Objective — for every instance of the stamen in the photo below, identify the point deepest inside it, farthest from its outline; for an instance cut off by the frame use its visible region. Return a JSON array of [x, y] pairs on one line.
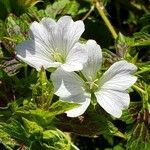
[[91, 86], [58, 57]]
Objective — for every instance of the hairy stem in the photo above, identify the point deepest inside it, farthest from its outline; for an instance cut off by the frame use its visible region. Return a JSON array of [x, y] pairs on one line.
[[88, 13], [137, 88], [99, 5]]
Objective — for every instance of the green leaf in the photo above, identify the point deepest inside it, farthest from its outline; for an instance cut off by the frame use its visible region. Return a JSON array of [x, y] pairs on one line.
[[40, 116], [32, 127], [60, 107], [125, 40], [56, 8], [45, 117], [139, 138], [6, 140], [118, 147], [145, 19], [114, 130], [20, 6], [42, 91], [72, 8], [95, 121], [63, 7], [15, 130], [10, 66], [7, 112], [129, 115], [139, 39], [17, 28], [55, 139], [142, 38]]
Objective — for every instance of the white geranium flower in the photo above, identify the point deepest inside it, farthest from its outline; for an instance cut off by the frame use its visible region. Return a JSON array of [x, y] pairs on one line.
[[54, 44], [109, 89]]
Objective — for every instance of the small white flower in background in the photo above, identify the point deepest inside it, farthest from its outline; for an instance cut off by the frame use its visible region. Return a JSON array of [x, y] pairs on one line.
[[54, 44], [109, 89]]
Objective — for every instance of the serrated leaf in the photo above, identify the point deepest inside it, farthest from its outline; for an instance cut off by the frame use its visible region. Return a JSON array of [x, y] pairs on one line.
[[32, 127], [114, 130], [7, 112], [92, 123], [15, 130], [60, 107], [129, 115], [72, 8], [42, 117], [42, 91], [6, 139], [139, 138], [55, 139], [139, 39], [10, 66], [56, 8], [142, 38], [17, 28]]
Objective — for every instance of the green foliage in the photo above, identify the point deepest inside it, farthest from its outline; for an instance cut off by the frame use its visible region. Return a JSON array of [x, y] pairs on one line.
[[32, 117], [139, 137], [42, 91], [129, 115], [14, 134], [17, 7]]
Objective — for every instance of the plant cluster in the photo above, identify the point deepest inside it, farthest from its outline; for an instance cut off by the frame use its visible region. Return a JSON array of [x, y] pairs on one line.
[[71, 68]]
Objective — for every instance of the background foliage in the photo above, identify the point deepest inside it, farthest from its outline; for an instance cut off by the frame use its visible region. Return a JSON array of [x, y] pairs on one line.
[[30, 115]]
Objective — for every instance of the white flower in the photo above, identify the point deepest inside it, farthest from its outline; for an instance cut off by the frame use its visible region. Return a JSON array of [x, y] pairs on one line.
[[109, 89], [54, 44]]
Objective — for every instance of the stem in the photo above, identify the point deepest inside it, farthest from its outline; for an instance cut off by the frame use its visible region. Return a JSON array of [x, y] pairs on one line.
[[144, 96], [25, 71], [139, 89], [88, 13], [101, 10], [142, 71]]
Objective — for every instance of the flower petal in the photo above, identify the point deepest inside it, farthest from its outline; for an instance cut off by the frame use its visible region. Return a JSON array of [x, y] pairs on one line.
[[93, 64], [68, 32], [35, 54], [79, 110], [76, 58], [51, 27], [39, 33], [66, 84], [113, 102], [48, 23], [118, 76]]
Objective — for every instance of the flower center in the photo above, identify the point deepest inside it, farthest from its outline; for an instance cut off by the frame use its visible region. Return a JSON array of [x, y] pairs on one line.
[[58, 57], [91, 86]]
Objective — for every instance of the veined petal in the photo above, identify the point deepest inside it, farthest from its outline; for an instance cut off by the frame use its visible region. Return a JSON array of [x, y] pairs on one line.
[[93, 64], [113, 102], [66, 84], [34, 54], [118, 76], [48, 23], [77, 56], [40, 34], [79, 110], [51, 27], [68, 32], [72, 66]]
